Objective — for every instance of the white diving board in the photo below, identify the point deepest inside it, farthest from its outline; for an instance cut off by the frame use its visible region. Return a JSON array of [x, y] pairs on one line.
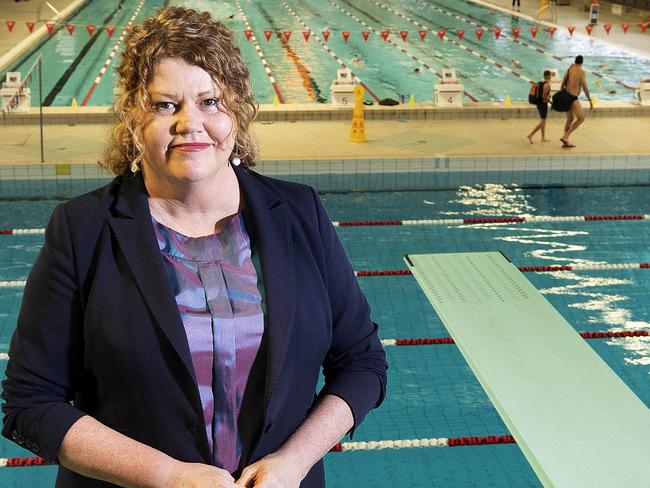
[[575, 420]]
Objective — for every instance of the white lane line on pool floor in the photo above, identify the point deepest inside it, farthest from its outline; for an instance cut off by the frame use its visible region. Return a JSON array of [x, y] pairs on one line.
[[526, 44], [456, 43], [108, 61], [403, 50], [267, 68], [328, 50]]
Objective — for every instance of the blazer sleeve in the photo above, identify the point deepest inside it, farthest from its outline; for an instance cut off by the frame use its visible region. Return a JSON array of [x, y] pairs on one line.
[[355, 365], [46, 349]]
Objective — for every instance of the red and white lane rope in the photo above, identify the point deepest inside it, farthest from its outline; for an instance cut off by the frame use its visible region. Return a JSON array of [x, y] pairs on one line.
[[328, 50], [525, 44], [267, 68], [463, 221], [109, 60], [455, 43], [431, 341], [526, 269], [402, 49], [492, 220], [343, 447], [406, 272]]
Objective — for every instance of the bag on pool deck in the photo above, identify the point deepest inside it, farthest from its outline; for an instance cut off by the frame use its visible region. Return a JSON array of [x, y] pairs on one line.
[[562, 101], [536, 93]]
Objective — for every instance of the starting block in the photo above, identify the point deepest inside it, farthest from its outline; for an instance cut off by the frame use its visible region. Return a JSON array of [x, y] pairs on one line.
[[575, 420]]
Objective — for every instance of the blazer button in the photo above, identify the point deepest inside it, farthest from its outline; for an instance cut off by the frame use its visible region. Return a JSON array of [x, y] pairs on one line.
[[269, 427]]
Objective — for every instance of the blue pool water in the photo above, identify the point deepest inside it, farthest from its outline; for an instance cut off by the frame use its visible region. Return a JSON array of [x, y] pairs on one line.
[[432, 392], [304, 71]]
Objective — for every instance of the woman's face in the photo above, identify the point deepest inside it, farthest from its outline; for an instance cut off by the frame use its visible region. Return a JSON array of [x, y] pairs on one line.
[[187, 137]]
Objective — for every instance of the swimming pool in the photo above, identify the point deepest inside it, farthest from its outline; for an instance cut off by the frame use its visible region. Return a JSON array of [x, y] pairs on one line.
[[432, 392], [489, 68]]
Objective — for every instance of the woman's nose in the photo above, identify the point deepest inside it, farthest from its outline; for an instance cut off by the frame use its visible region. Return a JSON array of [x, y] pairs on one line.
[[189, 120]]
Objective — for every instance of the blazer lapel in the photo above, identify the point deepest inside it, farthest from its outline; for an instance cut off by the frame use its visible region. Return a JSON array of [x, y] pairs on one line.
[[268, 218], [131, 224]]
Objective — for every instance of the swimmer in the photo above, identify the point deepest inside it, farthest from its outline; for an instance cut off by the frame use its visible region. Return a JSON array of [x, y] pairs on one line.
[[604, 67], [358, 62], [610, 90], [517, 64], [416, 70]]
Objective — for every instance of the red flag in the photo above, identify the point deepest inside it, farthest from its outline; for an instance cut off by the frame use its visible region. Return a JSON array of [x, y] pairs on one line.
[[403, 35], [268, 34], [70, 28], [306, 35], [552, 30], [589, 28], [441, 33], [30, 26], [90, 29], [515, 32], [644, 26], [326, 34], [11, 23], [50, 27], [479, 33], [497, 32], [460, 33], [286, 35], [625, 27], [607, 27], [109, 30], [422, 35], [534, 31], [384, 35], [365, 35], [571, 29], [248, 33], [346, 36]]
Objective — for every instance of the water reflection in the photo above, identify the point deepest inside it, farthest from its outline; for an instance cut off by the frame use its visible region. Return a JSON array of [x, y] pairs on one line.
[[556, 246]]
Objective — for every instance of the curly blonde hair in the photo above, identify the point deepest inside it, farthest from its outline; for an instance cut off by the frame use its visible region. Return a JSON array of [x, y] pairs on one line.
[[199, 40]]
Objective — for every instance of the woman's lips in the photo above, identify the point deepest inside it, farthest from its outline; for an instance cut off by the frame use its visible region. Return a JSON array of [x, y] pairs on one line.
[[192, 146]]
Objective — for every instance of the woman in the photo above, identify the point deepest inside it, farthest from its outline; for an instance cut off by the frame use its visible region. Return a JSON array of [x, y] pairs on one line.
[[186, 308]]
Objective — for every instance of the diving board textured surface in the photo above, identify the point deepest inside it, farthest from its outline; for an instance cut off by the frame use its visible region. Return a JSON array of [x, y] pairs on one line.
[[574, 419]]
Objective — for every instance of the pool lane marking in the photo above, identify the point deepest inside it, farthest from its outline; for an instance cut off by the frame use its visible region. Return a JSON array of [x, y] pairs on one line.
[[434, 341], [260, 53], [465, 221], [524, 269], [406, 272], [600, 334], [526, 44], [455, 43], [405, 51], [109, 60], [18, 462], [329, 51]]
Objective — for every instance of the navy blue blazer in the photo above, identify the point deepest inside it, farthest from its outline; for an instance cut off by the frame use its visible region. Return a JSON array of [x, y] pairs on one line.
[[99, 331]]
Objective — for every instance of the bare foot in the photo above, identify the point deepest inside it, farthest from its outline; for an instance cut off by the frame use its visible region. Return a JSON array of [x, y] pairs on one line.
[[545, 140], [530, 139]]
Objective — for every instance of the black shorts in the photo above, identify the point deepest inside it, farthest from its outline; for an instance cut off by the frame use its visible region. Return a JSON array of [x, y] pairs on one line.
[[542, 109]]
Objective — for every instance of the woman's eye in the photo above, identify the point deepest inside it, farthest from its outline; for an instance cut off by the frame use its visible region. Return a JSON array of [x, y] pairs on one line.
[[210, 102], [163, 106]]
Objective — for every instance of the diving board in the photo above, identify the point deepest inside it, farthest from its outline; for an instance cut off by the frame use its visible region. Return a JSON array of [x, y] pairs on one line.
[[575, 420]]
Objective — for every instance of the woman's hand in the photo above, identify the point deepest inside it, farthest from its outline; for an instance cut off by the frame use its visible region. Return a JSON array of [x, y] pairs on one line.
[[273, 471], [196, 475]]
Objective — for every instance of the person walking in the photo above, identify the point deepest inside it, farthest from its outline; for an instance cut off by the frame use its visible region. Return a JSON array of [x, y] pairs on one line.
[[575, 81], [543, 97]]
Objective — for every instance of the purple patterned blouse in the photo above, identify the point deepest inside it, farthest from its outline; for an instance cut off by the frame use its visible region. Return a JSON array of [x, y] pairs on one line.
[[215, 284]]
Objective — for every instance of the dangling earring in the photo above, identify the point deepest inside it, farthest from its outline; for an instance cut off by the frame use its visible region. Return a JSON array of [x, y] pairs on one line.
[[134, 167], [235, 161]]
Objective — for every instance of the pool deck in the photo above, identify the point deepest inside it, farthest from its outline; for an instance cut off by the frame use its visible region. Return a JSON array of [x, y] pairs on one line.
[[387, 139]]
